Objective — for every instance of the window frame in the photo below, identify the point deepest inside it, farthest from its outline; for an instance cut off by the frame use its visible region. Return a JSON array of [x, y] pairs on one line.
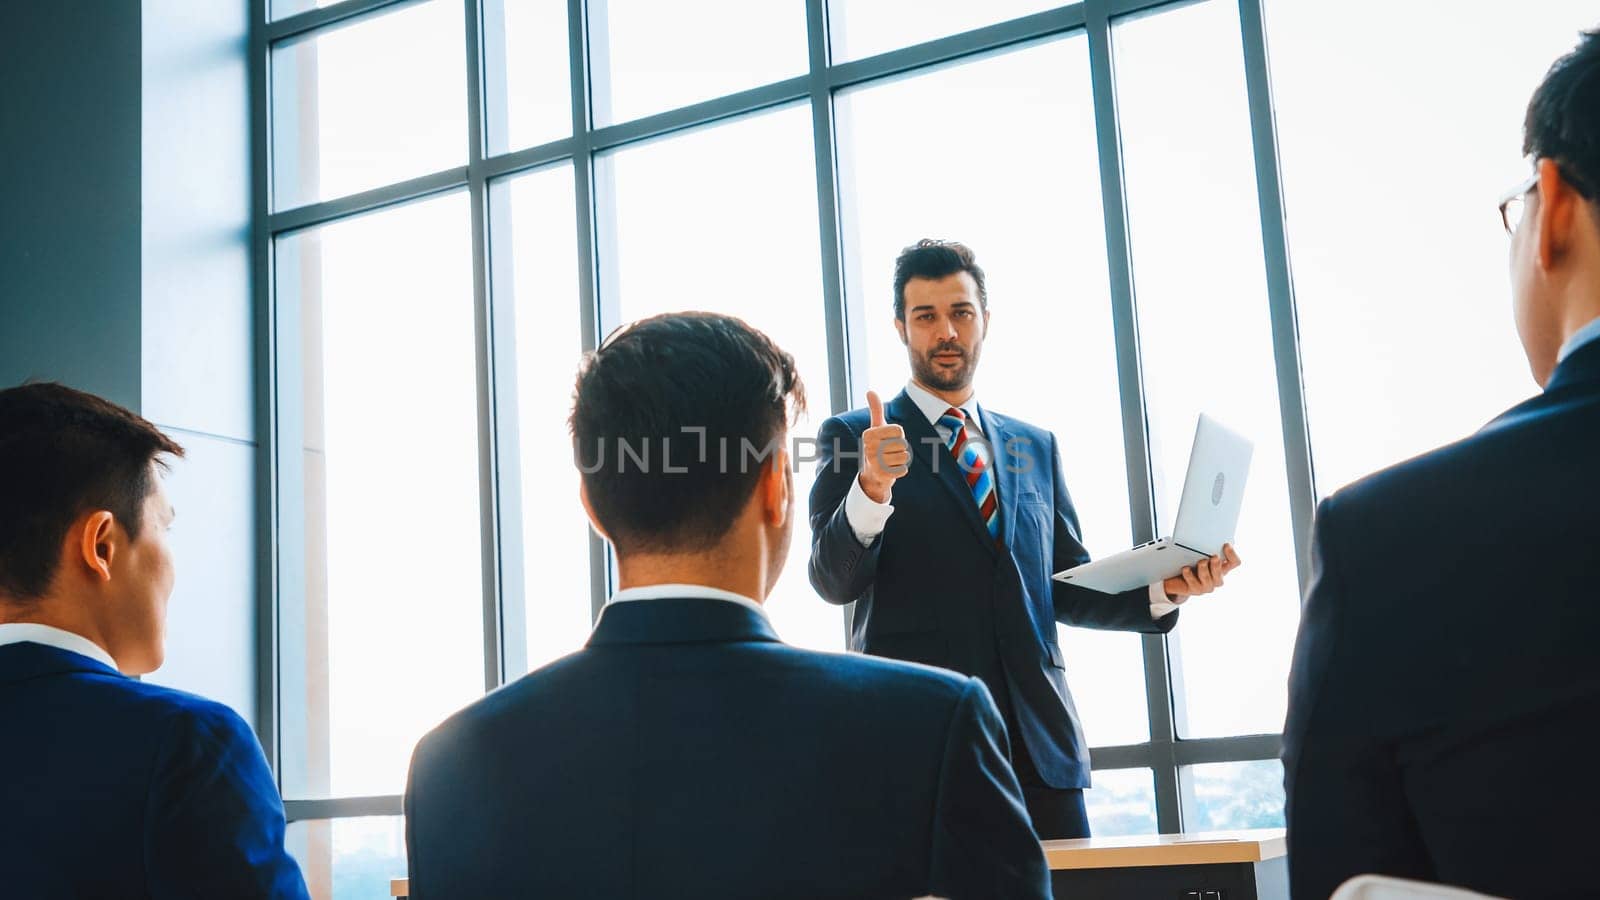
[[278, 542]]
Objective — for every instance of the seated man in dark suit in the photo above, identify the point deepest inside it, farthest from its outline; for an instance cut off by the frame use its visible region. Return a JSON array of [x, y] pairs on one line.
[[686, 751], [110, 787], [1445, 697]]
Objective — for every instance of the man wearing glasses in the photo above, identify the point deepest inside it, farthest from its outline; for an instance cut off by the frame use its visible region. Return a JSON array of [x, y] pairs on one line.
[[1445, 696]]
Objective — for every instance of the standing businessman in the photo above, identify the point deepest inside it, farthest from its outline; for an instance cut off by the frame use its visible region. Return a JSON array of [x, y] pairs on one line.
[[943, 521]]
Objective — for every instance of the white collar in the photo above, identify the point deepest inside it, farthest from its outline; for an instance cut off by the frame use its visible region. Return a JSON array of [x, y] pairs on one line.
[[669, 591], [1586, 334], [935, 407], [50, 636]]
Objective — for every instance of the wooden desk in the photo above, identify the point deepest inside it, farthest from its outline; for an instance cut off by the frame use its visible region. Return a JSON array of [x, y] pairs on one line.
[[1218, 865]]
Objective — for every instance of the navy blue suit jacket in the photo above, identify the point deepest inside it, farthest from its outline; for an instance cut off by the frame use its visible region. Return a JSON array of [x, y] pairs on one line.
[[686, 752], [934, 588], [1444, 702], [110, 787]]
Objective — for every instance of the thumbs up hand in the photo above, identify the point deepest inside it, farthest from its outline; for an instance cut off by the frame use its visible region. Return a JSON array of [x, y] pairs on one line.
[[885, 453]]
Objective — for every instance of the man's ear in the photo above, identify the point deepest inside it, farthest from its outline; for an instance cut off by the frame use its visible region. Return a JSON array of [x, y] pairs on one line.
[[900, 327], [1558, 205], [986, 321], [588, 509], [96, 546], [775, 488]]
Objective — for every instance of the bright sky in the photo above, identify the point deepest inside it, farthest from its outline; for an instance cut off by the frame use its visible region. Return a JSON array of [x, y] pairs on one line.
[[1399, 124]]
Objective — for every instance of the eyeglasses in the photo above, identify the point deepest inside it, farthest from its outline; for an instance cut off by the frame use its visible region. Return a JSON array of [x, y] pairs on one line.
[[1515, 203]]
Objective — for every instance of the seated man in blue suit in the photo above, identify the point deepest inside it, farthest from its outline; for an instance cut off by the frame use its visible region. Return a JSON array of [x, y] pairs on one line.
[[110, 787], [1444, 702], [686, 751]]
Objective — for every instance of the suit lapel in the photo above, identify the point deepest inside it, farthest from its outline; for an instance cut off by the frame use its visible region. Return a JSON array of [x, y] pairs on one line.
[[930, 451], [1004, 472]]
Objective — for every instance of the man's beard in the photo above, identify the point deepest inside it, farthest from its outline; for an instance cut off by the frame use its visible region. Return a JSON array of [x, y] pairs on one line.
[[931, 374]]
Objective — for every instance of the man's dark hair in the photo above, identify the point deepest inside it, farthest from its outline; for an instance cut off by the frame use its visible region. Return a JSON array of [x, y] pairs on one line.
[[673, 419], [929, 258], [1563, 121], [64, 453]]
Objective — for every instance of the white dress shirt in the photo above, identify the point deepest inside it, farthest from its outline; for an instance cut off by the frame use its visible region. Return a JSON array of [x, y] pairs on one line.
[[671, 591], [1584, 335], [868, 517], [50, 636]]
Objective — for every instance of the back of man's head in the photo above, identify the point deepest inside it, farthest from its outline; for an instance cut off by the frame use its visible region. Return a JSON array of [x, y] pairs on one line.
[[674, 420], [1563, 118], [64, 453]]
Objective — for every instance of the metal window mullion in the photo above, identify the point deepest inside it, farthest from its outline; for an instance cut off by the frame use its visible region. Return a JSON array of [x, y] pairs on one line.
[[529, 158], [506, 612], [1236, 748], [343, 808], [1280, 287], [957, 46], [845, 343], [264, 387], [314, 19], [368, 201], [1135, 424], [583, 192], [484, 356]]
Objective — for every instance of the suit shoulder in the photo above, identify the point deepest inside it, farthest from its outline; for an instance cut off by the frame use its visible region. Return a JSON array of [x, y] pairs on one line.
[[1022, 427], [1423, 475], [200, 717], [888, 678], [853, 420], [484, 715], [158, 703]]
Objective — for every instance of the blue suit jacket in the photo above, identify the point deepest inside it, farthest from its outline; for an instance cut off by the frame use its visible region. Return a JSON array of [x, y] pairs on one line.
[[110, 787], [934, 588], [1444, 702], [686, 752]]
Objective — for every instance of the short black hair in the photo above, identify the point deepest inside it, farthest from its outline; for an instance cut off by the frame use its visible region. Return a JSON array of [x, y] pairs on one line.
[[673, 418], [1563, 120], [930, 258], [63, 453]]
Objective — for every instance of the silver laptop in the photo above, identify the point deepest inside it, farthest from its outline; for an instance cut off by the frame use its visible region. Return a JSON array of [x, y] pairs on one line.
[[1207, 516]]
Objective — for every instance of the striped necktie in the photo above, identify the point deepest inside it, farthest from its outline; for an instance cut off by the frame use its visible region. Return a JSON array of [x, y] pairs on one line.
[[973, 458]]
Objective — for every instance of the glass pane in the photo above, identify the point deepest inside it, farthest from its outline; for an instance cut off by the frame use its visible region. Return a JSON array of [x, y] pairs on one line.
[[1122, 801], [649, 56], [1206, 343], [528, 81], [1384, 323], [349, 859], [370, 103], [535, 228], [667, 199], [868, 27], [381, 641], [917, 159], [1233, 795]]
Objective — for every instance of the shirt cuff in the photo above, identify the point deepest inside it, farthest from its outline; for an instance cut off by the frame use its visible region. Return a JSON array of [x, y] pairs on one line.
[[867, 516], [1159, 604]]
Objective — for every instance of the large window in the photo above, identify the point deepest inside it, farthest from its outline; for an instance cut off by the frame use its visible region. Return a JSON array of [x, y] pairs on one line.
[[1391, 172], [457, 198]]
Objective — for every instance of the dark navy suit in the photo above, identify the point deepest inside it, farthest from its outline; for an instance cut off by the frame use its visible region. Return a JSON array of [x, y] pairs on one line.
[[1444, 704], [686, 752], [934, 588], [110, 787]]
